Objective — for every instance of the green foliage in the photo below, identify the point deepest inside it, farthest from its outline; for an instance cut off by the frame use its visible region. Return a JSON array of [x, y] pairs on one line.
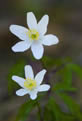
[[17, 69], [24, 110], [27, 107], [66, 75], [63, 70], [62, 87], [50, 62], [72, 105], [48, 114], [77, 69], [56, 113]]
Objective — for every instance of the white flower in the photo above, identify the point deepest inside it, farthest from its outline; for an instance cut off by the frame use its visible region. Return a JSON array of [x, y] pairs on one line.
[[31, 85], [33, 37]]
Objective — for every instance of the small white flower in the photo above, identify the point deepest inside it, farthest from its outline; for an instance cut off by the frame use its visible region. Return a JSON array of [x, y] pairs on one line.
[[33, 37], [31, 85]]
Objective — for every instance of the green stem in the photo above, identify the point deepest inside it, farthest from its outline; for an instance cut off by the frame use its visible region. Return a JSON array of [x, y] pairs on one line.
[[39, 111]]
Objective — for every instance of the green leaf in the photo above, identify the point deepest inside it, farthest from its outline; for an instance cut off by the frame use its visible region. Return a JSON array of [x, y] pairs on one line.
[[67, 117], [58, 115], [49, 62], [61, 87], [25, 109], [77, 69], [72, 105], [52, 105], [17, 69], [66, 75], [48, 114]]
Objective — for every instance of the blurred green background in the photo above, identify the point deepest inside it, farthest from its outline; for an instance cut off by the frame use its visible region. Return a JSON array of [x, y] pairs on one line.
[[65, 22]]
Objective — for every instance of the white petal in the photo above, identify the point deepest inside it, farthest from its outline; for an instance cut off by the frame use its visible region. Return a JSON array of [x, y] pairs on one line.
[[39, 77], [21, 46], [37, 50], [44, 87], [33, 95], [19, 80], [50, 40], [42, 25], [21, 92], [29, 72], [31, 21], [19, 31]]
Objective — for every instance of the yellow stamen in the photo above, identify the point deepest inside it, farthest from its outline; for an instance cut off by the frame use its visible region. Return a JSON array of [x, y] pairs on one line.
[[33, 34], [30, 83]]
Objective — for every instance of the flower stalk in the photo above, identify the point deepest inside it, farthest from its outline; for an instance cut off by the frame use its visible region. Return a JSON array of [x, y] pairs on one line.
[[39, 111]]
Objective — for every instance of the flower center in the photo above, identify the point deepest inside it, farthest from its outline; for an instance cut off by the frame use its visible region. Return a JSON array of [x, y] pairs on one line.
[[33, 34], [30, 84]]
